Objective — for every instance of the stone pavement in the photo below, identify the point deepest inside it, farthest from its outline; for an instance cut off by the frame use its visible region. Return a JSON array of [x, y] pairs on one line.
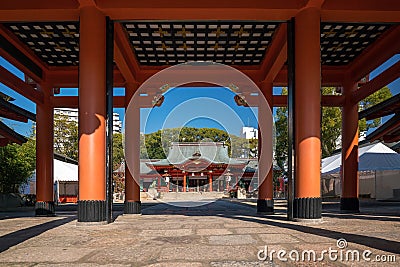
[[220, 233]]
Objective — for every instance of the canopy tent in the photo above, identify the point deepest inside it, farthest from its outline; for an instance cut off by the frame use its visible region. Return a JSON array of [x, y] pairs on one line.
[[379, 173], [65, 182], [373, 157], [64, 171]]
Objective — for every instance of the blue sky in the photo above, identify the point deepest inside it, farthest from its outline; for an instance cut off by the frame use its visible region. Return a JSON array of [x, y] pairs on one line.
[[199, 107], [194, 107]]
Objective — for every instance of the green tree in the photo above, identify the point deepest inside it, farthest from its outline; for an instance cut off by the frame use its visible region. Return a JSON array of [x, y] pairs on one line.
[[65, 136], [331, 123], [17, 165], [118, 150], [281, 132], [370, 101], [156, 145], [66, 140]]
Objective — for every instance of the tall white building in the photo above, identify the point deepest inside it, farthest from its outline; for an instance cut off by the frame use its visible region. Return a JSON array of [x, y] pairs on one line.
[[249, 133], [72, 114]]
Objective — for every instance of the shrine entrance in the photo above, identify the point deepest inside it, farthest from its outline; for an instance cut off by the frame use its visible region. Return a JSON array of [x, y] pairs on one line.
[[99, 45]]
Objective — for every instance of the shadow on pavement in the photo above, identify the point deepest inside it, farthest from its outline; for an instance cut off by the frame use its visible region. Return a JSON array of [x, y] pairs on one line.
[[17, 237], [221, 209]]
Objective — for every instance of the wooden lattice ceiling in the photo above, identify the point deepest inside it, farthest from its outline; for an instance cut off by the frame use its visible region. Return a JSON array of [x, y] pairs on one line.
[[169, 42]]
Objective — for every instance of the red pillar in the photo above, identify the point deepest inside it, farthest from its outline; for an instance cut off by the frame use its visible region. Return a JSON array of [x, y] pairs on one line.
[[132, 139], [349, 200], [265, 201], [184, 182], [210, 181], [307, 202], [92, 114], [44, 155]]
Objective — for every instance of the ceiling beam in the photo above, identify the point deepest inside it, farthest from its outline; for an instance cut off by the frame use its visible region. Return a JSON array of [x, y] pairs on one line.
[[276, 55], [377, 83], [119, 101], [39, 10], [375, 55], [10, 135], [385, 129], [22, 57], [67, 77], [271, 10], [124, 56], [9, 110], [326, 100], [5, 113], [19, 86], [73, 101], [330, 76], [200, 10], [361, 11]]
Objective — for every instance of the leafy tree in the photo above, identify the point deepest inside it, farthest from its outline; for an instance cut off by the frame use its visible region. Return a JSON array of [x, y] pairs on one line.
[[281, 132], [118, 150], [17, 165], [154, 148], [66, 140], [66, 136], [331, 123], [156, 145], [370, 101]]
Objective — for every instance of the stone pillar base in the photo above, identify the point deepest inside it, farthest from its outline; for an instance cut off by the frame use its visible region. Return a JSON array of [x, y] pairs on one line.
[[307, 208], [92, 211], [349, 205], [265, 206], [44, 208], [132, 207]]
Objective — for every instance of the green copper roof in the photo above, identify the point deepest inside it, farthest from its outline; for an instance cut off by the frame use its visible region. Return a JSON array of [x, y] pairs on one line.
[[216, 153]]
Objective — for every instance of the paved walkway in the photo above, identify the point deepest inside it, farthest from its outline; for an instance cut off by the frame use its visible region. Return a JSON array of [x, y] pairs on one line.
[[221, 233]]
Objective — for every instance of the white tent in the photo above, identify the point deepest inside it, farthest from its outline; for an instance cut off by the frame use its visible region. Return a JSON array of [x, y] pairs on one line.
[[64, 171], [373, 157], [379, 172], [65, 181]]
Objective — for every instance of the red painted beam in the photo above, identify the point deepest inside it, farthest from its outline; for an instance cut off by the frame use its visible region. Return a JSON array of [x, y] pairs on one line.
[[67, 77], [391, 138], [10, 37], [272, 10], [253, 72], [276, 55], [361, 11], [72, 101], [326, 100], [200, 10], [376, 54], [40, 10], [377, 83], [124, 56], [5, 113], [19, 86], [394, 127], [331, 76]]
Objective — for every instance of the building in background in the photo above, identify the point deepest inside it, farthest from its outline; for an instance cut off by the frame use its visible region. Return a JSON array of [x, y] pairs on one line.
[[249, 133], [72, 114]]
